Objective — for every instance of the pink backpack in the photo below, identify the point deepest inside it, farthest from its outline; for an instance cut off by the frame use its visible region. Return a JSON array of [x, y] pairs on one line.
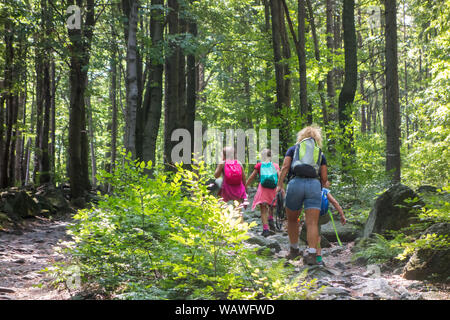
[[232, 172]]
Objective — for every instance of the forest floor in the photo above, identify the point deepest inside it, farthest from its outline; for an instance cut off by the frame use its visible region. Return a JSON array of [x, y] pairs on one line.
[[26, 250], [31, 247]]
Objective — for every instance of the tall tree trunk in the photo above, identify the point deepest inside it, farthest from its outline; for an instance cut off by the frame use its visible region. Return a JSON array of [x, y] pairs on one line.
[[8, 98], [304, 107], [44, 176], [52, 146], [181, 108], [39, 63], [301, 55], [191, 90], [348, 90], [153, 95], [405, 57], [280, 49], [29, 141], [392, 93], [91, 137], [171, 88], [113, 98], [331, 94], [2, 141], [43, 100], [131, 76], [361, 81], [79, 48], [338, 72], [20, 141], [321, 84]]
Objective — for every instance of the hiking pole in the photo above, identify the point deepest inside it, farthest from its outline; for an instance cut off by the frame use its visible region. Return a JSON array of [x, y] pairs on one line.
[[334, 226]]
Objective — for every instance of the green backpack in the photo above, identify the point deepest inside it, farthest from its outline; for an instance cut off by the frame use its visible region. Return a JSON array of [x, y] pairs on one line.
[[307, 159], [269, 175]]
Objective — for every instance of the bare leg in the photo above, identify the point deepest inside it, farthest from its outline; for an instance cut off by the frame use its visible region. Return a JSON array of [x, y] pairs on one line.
[[292, 219], [264, 214], [312, 229], [318, 248]]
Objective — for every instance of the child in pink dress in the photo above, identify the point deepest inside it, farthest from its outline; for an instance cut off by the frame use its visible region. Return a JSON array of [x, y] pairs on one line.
[[265, 197], [233, 185]]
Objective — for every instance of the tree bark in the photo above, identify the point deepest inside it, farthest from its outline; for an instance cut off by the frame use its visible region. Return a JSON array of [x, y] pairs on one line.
[[191, 90], [348, 90], [361, 82], [304, 107], [331, 93], [320, 84], [392, 93], [153, 95], [301, 55], [171, 88], [113, 98], [283, 84], [8, 101], [91, 139], [79, 48], [131, 76]]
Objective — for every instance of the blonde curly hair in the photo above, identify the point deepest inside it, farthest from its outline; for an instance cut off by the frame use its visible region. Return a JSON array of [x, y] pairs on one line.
[[311, 132]]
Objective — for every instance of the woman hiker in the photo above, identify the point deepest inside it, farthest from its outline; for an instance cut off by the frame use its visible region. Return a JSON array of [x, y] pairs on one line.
[[307, 168]]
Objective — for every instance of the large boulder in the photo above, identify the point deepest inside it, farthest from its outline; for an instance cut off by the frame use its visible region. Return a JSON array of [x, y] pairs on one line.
[[391, 211], [346, 233], [19, 204], [52, 199], [428, 263]]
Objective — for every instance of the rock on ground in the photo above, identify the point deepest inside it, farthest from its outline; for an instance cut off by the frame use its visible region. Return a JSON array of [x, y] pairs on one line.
[[429, 263], [391, 212]]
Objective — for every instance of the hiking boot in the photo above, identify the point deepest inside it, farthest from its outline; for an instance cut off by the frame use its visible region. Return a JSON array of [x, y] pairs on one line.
[[309, 258], [266, 233], [272, 225], [320, 263], [293, 253]]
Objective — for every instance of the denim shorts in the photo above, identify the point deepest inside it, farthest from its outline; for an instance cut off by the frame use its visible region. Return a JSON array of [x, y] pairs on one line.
[[303, 191]]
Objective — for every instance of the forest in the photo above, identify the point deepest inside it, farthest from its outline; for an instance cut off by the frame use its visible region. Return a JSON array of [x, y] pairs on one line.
[[114, 113]]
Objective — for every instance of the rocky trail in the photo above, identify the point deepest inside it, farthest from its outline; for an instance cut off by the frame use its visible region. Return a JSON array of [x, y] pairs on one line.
[[28, 248], [25, 251], [345, 280]]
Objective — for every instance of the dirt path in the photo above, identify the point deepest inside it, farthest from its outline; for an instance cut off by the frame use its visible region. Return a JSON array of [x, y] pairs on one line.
[[24, 252], [347, 281]]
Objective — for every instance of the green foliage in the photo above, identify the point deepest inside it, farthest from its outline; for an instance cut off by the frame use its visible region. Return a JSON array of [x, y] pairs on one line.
[[379, 249], [403, 243], [167, 238], [428, 241]]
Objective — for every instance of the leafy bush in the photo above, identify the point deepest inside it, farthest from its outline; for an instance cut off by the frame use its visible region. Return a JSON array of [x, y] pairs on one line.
[[166, 237], [379, 249]]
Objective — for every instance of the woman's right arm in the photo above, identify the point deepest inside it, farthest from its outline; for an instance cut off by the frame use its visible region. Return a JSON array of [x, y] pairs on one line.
[[284, 171], [219, 170], [324, 175], [251, 178]]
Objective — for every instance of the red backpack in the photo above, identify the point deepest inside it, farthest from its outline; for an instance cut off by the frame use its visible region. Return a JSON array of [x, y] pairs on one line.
[[232, 172]]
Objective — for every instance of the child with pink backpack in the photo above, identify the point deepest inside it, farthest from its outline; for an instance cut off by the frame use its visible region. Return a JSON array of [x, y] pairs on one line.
[[233, 183]]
